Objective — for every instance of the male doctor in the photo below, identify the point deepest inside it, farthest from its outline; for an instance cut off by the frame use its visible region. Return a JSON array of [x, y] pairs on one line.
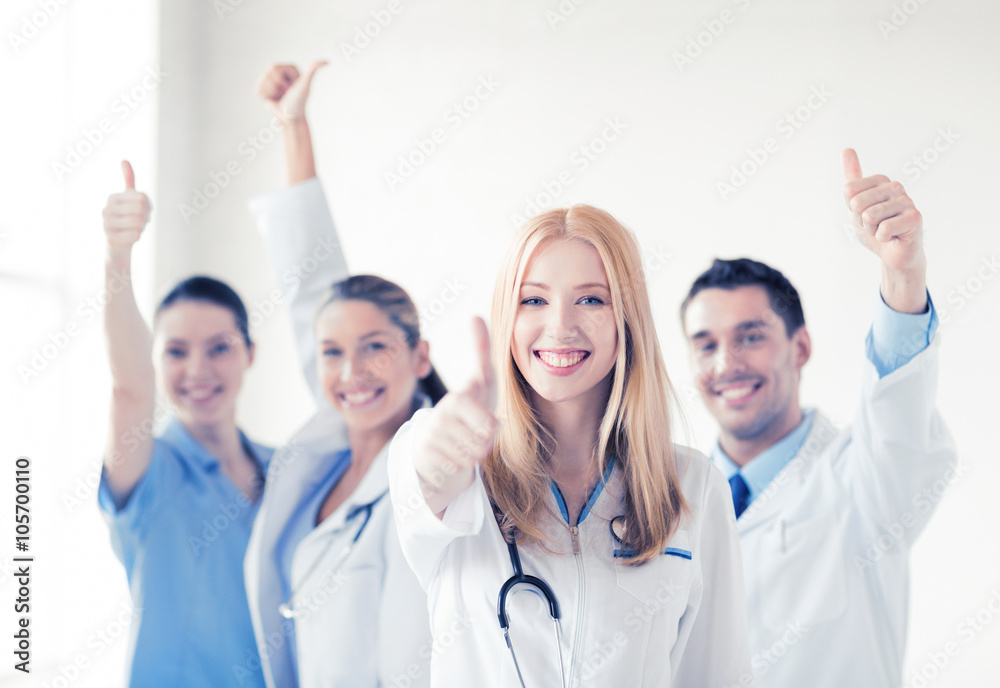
[[826, 517]]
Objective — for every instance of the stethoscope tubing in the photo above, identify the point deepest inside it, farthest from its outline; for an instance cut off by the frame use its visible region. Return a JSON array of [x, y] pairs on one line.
[[287, 609], [538, 587]]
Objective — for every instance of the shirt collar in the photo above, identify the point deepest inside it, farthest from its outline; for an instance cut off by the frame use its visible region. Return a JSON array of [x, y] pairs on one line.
[[181, 438], [591, 500], [762, 469]]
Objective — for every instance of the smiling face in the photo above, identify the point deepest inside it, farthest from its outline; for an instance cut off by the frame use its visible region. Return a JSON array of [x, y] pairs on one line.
[[746, 366], [201, 358], [565, 339], [367, 370]]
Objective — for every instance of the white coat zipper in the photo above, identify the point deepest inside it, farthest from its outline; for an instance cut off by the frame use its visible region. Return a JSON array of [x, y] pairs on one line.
[[574, 532]]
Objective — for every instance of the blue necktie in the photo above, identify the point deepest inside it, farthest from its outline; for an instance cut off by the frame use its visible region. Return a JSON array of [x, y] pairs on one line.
[[741, 493]]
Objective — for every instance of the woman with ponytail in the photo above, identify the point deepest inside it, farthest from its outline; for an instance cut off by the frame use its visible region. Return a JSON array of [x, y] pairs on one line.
[[333, 601]]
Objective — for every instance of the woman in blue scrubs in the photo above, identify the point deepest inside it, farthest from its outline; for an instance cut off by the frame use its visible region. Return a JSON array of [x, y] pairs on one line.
[[180, 504]]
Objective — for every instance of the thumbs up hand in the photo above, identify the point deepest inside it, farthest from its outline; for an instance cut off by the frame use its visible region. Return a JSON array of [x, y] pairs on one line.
[[887, 222], [890, 226], [286, 91], [126, 214], [460, 432]]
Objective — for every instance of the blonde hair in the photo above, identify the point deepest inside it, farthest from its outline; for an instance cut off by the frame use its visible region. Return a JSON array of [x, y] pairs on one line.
[[636, 427]]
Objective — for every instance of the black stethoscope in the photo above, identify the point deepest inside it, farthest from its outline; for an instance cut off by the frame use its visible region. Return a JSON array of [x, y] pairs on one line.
[[519, 581], [516, 583], [288, 609]]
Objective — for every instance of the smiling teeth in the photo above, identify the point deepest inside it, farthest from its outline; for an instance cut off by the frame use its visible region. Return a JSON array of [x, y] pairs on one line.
[[359, 397], [557, 361], [736, 392]]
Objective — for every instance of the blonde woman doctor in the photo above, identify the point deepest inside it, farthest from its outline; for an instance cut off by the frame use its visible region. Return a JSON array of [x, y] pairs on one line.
[[557, 476], [332, 600]]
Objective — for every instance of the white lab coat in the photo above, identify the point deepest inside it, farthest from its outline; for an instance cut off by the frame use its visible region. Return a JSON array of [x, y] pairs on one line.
[[826, 544], [673, 622], [367, 625]]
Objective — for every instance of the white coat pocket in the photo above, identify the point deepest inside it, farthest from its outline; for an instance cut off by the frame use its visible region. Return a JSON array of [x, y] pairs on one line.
[[803, 563], [661, 586]]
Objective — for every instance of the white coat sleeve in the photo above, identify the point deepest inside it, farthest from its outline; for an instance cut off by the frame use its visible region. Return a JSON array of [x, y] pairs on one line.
[[306, 256], [899, 445], [423, 537], [712, 647]]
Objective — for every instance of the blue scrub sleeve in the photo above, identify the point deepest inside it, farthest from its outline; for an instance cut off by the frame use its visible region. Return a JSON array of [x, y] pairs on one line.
[[895, 338], [128, 518]]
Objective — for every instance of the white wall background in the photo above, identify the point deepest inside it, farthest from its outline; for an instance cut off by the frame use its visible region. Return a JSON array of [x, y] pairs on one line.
[[562, 70]]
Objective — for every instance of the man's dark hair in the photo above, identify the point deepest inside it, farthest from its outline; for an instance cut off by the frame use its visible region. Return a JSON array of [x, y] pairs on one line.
[[743, 272]]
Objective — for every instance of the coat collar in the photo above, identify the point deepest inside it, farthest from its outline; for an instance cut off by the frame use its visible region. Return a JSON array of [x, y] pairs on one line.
[[769, 504]]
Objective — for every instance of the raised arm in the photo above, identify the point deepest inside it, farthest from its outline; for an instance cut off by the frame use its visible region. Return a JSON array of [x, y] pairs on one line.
[[302, 242], [129, 343], [899, 443]]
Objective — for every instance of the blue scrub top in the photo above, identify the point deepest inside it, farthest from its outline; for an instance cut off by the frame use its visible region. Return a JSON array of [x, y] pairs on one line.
[[301, 523], [182, 535]]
